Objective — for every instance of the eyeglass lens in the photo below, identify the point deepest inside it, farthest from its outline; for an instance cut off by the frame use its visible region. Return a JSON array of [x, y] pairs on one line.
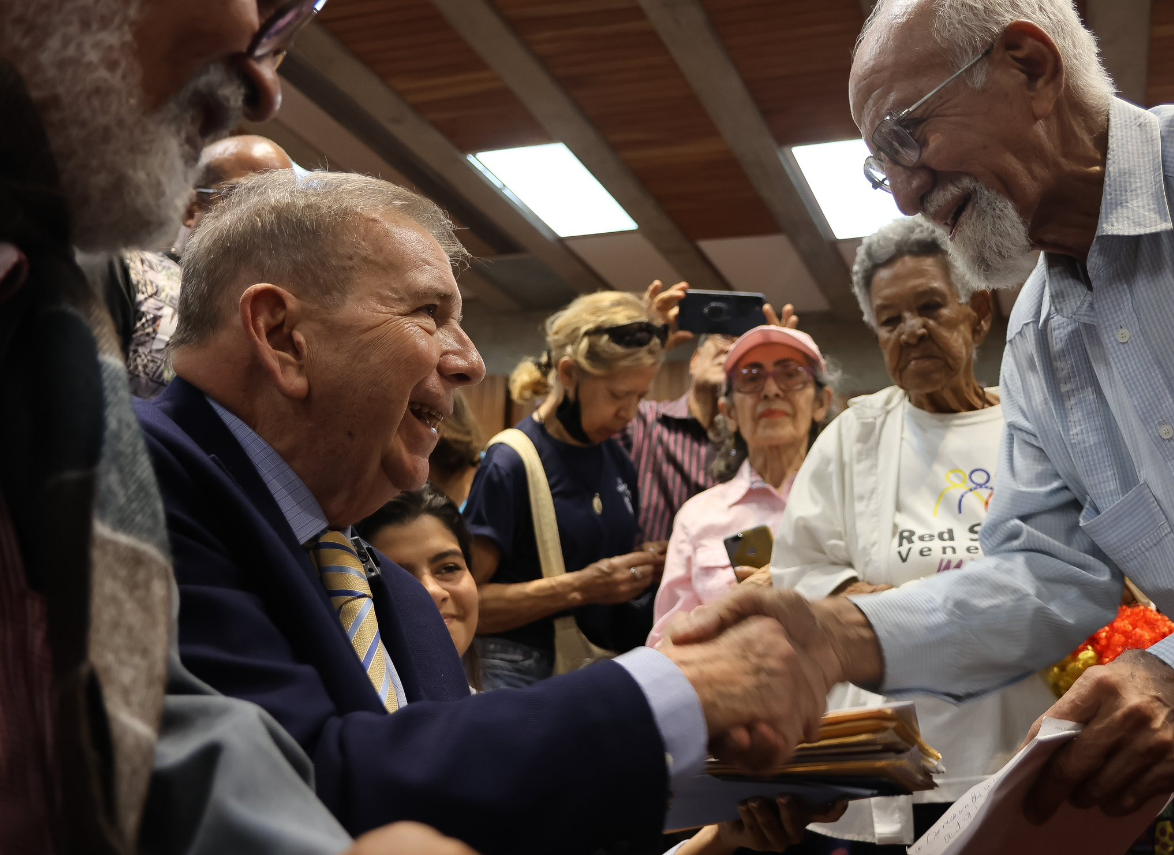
[[278, 31], [789, 377]]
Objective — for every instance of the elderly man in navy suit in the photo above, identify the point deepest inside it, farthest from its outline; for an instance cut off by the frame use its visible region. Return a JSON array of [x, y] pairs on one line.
[[319, 346]]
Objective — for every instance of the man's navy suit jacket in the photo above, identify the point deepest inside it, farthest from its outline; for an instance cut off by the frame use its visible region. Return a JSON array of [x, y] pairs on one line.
[[563, 766]]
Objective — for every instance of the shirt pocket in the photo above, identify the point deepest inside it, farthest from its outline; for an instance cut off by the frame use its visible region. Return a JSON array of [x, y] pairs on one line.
[[1135, 535], [712, 573]]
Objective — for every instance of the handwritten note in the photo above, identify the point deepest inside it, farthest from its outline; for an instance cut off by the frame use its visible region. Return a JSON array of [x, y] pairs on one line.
[[989, 817]]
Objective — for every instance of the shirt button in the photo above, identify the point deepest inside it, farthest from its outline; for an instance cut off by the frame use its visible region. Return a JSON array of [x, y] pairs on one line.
[[1166, 432], [1123, 335]]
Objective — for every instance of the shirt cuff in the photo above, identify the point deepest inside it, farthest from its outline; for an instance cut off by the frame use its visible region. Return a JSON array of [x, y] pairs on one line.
[[675, 707], [1164, 650]]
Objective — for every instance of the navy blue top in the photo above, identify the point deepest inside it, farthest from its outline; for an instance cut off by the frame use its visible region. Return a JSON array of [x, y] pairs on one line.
[[499, 509]]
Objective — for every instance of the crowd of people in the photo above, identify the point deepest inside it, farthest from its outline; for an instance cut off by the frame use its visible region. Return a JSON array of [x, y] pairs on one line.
[[267, 587]]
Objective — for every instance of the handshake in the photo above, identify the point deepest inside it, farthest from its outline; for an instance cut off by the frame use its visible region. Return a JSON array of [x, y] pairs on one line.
[[762, 662]]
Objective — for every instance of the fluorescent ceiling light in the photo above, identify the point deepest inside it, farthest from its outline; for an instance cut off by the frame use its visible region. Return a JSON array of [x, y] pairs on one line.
[[552, 183], [835, 174]]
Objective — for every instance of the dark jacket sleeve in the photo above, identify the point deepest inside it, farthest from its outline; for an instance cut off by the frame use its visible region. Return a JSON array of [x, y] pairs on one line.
[[569, 764]]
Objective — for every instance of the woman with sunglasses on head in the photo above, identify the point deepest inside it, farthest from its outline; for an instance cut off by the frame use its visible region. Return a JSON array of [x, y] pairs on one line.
[[777, 394], [602, 352]]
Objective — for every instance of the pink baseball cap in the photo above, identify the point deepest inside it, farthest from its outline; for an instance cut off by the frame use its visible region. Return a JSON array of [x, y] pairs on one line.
[[768, 344]]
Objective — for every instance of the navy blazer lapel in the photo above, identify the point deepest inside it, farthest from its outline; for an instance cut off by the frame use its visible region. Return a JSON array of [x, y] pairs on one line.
[[187, 406]]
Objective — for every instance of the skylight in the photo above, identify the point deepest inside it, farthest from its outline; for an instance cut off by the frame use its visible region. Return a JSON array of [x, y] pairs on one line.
[[835, 173], [552, 183]]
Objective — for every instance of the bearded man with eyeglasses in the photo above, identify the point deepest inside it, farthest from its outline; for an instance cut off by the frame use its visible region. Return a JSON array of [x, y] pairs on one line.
[[107, 745], [996, 121]]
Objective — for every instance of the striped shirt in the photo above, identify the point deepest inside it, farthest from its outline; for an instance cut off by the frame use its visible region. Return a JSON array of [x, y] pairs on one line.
[[1086, 472], [673, 453]]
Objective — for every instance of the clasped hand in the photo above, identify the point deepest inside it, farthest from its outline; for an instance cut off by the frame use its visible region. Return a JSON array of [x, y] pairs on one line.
[[762, 664]]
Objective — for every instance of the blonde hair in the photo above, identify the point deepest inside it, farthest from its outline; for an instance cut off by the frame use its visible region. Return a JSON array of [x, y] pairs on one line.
[[598, 355]]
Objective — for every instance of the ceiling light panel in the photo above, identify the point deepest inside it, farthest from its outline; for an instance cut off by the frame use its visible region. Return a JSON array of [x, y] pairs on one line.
[[835, 173], [551, 182]]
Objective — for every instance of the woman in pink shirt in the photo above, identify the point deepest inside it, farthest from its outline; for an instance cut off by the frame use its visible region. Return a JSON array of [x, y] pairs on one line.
[[777, 395]]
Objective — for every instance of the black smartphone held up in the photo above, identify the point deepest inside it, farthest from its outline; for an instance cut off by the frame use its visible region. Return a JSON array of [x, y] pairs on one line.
[[750, 548], [721, 312]]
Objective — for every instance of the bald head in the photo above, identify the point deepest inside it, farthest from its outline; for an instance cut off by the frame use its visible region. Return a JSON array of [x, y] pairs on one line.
[[229, 161]]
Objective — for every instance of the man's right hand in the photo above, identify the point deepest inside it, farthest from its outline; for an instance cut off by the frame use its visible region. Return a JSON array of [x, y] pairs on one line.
[[833, 630], [761, 695], [407, 838], [618, 579]]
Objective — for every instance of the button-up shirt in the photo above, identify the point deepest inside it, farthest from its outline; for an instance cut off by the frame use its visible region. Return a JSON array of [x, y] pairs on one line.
[[675, 705], [673, 453], [697, 569], [1086, 471]]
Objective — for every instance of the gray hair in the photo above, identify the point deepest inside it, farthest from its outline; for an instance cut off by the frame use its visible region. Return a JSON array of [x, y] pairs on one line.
[[964, 28], [296, 232], [907, 236]]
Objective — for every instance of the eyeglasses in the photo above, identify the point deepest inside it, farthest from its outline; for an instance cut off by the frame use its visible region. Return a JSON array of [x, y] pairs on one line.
[[278, 32], [788, 376], [634, 335], [892, 139]]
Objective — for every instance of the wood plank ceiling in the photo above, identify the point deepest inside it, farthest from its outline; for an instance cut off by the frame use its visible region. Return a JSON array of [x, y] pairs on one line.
[[793, 56]]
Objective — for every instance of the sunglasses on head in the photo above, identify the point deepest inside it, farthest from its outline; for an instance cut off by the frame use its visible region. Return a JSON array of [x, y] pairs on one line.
[[638, 334]]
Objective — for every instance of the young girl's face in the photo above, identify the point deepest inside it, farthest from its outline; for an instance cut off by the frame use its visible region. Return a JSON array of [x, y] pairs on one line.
[[429, 550]]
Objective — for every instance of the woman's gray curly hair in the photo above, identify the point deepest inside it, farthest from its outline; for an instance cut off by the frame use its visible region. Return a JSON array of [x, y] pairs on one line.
[[907, 236]]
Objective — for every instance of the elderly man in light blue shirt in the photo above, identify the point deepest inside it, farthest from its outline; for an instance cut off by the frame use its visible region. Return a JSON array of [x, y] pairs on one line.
[[997, 122]]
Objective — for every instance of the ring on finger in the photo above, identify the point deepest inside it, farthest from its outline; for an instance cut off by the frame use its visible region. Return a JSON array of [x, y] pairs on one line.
[[635, 571]]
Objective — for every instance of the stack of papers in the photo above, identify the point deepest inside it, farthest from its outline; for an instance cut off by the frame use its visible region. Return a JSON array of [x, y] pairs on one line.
[[877, 751]]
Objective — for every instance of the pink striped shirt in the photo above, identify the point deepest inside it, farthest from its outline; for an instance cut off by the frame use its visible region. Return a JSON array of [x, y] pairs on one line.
[[672, 453]]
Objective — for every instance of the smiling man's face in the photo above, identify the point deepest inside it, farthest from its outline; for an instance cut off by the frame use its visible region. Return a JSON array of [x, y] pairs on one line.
[[975, 178]]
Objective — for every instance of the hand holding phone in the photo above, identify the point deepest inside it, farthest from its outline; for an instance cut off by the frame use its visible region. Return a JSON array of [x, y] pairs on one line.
[[750, 548]]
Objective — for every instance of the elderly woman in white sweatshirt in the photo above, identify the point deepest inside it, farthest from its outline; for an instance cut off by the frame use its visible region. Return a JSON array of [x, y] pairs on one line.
[[897, 488]]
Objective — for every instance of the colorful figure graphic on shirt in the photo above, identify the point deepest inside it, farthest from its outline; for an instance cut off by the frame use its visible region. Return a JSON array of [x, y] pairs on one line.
[[958, 479], [984, 484]]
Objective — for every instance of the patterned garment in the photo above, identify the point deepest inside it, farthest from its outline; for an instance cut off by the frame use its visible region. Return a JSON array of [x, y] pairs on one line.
[[673, 453], [154, 279], [1086, 472], [83, 505]]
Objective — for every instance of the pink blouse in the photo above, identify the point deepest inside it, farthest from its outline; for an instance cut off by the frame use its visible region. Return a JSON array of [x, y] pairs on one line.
[[696, 568]]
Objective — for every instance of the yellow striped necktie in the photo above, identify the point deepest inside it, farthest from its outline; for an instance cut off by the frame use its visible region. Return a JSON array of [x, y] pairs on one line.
[[345, 580]]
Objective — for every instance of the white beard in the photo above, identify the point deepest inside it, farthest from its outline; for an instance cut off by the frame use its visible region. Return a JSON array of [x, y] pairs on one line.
[[126, 175], [991, 244]]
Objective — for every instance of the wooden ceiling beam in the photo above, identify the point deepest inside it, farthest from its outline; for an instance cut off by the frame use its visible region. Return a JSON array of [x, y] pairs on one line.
[[353, 95], [480, 24], [685, 29]]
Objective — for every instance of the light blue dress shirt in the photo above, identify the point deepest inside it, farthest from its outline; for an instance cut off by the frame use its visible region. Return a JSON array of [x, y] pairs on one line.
[[1085, 491], [675, 705]]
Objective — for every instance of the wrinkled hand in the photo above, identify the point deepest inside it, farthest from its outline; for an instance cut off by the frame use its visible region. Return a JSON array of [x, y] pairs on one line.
[[753, 577], [666, 302], [407, 838], [1125, 755], [616, 580], [855, 588], [789, 319], [761, 695]]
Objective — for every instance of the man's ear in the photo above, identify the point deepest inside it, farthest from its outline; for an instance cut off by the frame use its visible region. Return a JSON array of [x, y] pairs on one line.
[[568, 373], [723, 407], [982, 304], [189, 213], [271, 317], [1034, 55]]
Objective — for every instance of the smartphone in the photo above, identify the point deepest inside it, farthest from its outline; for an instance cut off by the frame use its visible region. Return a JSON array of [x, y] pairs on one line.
[[750, 548], [721, 312]]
